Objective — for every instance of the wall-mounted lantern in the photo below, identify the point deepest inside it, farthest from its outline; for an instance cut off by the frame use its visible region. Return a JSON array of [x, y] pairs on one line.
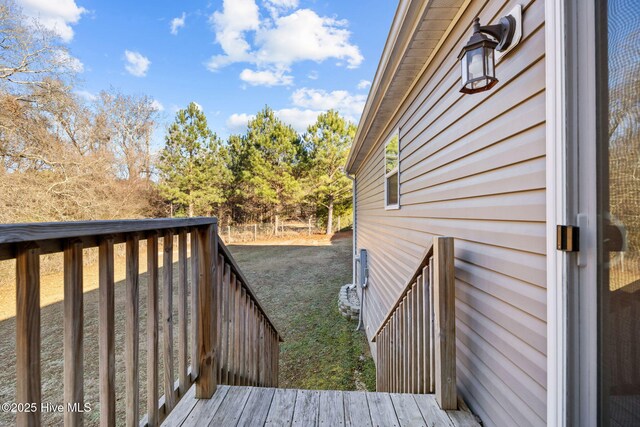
[[477, 58]]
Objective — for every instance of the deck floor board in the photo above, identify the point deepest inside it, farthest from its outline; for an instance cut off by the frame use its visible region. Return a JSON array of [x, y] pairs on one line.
[[257, 406]]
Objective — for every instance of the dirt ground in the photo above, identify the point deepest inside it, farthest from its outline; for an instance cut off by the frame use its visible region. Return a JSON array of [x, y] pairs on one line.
[[296, 280]]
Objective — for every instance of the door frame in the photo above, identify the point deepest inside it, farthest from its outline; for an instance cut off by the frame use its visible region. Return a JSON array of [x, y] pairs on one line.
[[572, 311]]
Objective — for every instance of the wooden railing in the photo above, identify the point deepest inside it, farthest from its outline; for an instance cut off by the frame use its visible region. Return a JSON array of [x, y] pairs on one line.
[[233, 339], [416, 344]]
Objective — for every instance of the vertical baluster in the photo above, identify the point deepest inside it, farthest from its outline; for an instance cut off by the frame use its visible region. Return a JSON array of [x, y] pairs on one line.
[[274, 357], [207, 311], [232, 329], [247, 336], [261, 353], [277, 357], [167, 320], [243, 336], [380, 361], [226, 330], [388, 356], [398, 351], [194, 304], [410, 332], [28, 385], [252, 342], [131, 344], [267, 342], [152, 331], [378, 365], [107, 334], [414, 340], [73, 333], [219, 318], [403, 352], [432, 362], [394, 362], [270, 341], [182, 312], [236, 338], [420, 354], [381, 352], [407, 351], [392, 340]]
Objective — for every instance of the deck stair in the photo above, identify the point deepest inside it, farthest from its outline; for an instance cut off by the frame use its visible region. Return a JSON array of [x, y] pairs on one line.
[[232, 377], [261, 406]]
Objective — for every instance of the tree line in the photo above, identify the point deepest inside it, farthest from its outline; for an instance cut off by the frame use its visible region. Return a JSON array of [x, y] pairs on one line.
[[269, 170], [63, 157]]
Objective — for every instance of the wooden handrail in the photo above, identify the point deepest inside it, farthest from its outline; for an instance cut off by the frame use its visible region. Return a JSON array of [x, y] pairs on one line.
[[416, 344], [426, 256], [227, 319], [50, 236]]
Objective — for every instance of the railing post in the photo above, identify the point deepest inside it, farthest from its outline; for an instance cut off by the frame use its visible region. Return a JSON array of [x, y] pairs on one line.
[[207, 311], [132, 337], [445, 323], [153, 418], [193, 241], [106, 333], [73, 333], [167, 320], [28, 385]]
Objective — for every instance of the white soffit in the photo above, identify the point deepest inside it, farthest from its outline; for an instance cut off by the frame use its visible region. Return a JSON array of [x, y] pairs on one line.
[[416, 31]]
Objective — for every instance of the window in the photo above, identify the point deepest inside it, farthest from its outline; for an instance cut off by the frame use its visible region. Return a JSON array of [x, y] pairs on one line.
[[391, 172]]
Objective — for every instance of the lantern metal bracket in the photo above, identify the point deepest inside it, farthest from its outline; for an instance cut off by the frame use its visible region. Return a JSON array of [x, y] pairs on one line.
[[503, 31]]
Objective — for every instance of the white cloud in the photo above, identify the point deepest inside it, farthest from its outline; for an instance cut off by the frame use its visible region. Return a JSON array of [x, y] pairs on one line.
[[86, 95], [137, 64], [347, 104], [364, 84], [276, 7], [287, 4], [177, 23], [157, 105], [313, 75], [238, 122], [298, 118], [280, 41], [237, 17], [266, 77], [55, 15], [304, 35]]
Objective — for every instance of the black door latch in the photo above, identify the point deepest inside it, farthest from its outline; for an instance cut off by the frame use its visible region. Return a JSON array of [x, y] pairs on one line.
[[568, 238]]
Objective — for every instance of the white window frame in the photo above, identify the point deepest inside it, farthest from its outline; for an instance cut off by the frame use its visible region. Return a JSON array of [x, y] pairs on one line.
[[394, 171]]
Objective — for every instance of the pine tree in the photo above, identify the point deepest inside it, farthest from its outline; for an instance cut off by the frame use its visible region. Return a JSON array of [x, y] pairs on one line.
[[327, 144], [193, 164], [265, 164]]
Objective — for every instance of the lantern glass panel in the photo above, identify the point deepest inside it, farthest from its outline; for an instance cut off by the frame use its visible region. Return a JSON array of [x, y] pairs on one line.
[[489, 61], [465, 71], [475, 60]]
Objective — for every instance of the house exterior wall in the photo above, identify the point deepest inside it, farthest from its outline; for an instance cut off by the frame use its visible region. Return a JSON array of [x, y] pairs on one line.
[[472, 167]]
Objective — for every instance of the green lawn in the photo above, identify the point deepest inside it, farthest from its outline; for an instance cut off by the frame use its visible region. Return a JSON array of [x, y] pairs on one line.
[[298, 286]]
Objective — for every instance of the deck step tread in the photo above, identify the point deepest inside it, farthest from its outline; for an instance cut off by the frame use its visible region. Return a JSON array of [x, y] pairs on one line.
[[259, 406]]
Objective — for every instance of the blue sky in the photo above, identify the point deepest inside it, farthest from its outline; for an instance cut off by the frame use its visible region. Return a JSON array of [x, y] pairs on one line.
[[231, 57]]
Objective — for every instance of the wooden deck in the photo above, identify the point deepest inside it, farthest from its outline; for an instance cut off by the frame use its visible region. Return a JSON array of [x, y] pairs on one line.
[[258, 406]]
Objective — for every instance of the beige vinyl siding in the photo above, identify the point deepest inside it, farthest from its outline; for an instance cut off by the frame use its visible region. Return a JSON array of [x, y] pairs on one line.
[[473, 167]]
